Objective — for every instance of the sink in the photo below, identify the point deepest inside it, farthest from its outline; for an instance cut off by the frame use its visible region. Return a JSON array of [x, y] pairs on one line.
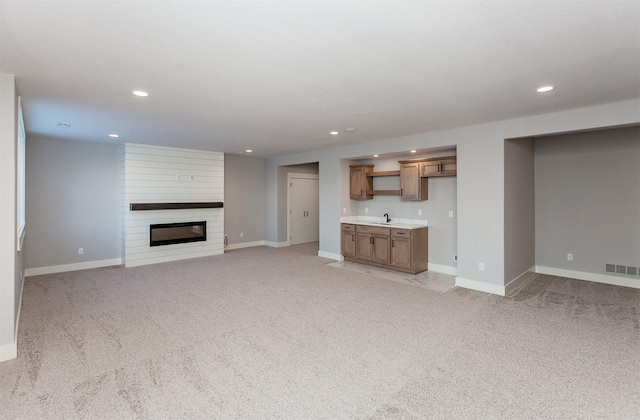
[[381, 223]]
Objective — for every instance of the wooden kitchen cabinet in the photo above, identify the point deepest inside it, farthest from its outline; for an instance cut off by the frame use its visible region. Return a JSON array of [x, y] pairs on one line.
[[372, 244], [360, 183], [412, 186], [398, 249], [348, 240], [409, 249], [381, 249], [445, 166]]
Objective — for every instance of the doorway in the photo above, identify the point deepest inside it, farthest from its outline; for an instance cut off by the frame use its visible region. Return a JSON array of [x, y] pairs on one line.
[[302, 208]]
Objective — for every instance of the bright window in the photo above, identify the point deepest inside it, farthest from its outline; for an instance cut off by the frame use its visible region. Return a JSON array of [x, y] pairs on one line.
[[22, 138]]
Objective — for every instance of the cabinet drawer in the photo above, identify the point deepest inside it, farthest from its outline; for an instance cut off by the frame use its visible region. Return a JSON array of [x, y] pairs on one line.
[[350, 228], [403, 233], [374, 230]]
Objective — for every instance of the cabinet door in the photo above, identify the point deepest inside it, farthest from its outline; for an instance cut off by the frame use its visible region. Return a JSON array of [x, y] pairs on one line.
[[449, 167], [401, 252], [381, 249], [364, 246], [348, 244], [412, 186], [357, 183], [444, 167], [430, 168], [360, 183]]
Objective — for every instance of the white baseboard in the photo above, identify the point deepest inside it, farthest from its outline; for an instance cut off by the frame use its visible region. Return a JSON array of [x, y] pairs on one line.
[[519, 281], [330, 255], [633, 282], [480, 286], [444, 269], [245, 245], [8, 352], [71, 267], [277, 244]]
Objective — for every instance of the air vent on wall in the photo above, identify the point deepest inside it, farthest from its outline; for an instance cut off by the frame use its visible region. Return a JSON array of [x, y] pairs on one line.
[[622, 269]]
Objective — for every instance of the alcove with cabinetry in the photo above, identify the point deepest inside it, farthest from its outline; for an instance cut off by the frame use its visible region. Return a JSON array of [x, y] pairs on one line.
[[414, 176]]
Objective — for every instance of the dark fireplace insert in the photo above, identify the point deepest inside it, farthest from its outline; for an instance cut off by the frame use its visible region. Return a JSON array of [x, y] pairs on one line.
[[177, 233]]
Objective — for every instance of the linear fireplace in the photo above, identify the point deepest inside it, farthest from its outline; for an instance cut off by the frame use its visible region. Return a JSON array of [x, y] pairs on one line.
[[177, 233]]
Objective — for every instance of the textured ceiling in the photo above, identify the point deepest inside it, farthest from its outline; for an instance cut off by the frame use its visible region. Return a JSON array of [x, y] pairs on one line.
[[278, 76]]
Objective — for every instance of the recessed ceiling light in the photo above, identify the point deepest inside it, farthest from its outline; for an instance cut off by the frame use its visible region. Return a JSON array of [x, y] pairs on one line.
[[544, 89], [413, 151], [248, 150], [115, 136], [333, 133], [350, 130], [140, 93], [375, 155]]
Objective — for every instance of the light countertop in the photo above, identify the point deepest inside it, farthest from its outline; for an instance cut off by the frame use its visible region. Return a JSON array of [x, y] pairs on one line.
[[379, 221]]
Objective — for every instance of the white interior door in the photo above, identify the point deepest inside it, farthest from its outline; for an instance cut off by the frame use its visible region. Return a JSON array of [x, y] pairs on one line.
[[313, 210], [297, 211], [303, 210]]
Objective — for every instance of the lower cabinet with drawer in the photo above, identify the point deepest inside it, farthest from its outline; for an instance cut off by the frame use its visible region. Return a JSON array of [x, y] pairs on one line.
[[398, 249]]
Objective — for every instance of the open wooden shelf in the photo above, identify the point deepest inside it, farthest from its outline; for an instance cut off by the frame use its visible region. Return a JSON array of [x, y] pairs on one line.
[[384, 173], [383, 192]]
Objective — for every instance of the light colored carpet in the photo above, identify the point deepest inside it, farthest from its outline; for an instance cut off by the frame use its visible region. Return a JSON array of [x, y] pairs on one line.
[[276, 333], [427, 279]]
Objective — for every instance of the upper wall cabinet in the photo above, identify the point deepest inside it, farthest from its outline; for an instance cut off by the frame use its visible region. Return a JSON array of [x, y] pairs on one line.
[[412, 186], [445, 166], [361, 184]]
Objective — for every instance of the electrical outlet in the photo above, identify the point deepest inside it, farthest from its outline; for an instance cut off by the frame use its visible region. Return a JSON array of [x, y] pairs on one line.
[[569, 257], [241, 234], [366, 209], [480, 266], [344, 210], [419, 212], [80, 251], [450, 213]]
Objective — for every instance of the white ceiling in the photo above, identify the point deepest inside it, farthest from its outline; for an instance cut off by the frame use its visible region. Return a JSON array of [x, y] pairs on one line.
[[277, 76]]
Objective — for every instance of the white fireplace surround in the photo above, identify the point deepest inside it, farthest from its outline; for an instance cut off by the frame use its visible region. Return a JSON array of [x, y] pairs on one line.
[[152, 174]]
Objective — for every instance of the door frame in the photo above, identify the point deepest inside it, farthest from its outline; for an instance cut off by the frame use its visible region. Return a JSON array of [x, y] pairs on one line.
[[291, 175]]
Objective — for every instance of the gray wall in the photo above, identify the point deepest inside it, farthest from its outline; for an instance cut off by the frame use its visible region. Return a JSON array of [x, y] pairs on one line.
[[11, 260], [244, 198], [73, 201], [480, 181], [442, 193], [519, 208], [588, 200]]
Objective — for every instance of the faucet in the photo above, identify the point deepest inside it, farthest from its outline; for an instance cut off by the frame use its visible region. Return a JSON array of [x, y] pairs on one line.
[[386, 216]]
